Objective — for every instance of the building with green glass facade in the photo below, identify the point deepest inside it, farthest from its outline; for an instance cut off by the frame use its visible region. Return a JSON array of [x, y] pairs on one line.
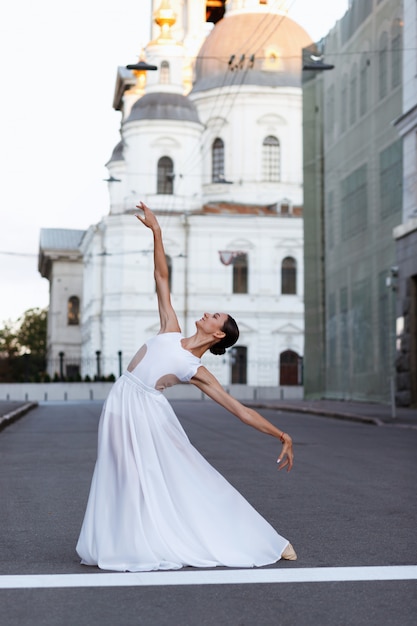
[[352, 202]]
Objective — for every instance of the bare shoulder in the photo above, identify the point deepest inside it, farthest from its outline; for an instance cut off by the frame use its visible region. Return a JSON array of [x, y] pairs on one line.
[[203, 375], [208, 383]]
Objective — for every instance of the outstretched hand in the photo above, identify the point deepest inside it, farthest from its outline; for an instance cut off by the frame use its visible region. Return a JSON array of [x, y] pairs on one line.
[[148, 218], [286, 458]]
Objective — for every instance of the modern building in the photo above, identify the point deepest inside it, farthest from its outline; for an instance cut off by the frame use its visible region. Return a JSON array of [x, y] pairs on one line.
[[405, 281], [353, 173], [211, 139]]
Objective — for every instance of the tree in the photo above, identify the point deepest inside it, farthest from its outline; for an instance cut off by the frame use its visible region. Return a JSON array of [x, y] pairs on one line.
[[8, 340], [31, 334], [23, 347]]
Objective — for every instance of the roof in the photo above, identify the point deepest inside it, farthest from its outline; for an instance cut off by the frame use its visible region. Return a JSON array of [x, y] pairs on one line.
[[274, 40], [55, 243], [164, 106], [60, 238]]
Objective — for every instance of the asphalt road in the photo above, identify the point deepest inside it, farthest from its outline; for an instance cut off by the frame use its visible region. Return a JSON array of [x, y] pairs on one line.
[[349, 501]]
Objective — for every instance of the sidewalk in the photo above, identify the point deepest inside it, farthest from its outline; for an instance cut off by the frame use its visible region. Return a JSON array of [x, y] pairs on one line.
[[11, 411], [365, 412]]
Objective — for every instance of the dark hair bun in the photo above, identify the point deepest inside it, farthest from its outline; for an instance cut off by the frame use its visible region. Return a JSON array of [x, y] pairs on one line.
[[216, 349], [231, 336]]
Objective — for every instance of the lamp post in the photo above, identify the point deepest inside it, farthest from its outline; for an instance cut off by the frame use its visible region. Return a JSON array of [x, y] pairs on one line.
[[61, 365], [98, 357], [312, 65], [119, 354]]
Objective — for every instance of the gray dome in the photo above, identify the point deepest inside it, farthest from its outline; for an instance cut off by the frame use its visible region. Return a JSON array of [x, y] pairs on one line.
[[164, 106], [117, 154]]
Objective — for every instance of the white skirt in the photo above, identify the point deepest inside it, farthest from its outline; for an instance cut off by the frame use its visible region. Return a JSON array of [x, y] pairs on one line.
[[155, 503]]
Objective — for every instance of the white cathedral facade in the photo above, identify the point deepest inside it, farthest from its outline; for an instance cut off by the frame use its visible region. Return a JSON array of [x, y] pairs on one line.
[[211, 140]]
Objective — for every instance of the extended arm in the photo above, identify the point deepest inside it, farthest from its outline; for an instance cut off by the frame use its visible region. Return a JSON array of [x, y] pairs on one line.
[[205, 381], [167, 315]]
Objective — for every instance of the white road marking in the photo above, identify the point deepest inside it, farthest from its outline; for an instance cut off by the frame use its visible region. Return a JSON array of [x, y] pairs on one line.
[[210, 577]]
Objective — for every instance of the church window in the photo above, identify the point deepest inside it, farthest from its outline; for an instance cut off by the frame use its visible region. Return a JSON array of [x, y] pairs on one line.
[[271, 159], [215, 10], [290, 368], [164, 73], [289, 276], [165, 183], [73, 311], [239, 365], [240, 274], [383, 65], [217, 160]]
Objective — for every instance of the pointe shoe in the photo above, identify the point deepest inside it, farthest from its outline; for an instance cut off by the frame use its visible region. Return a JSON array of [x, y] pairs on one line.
[[289, 553]]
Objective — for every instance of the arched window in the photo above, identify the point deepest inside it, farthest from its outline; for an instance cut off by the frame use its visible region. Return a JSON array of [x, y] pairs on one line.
[[383, 65], [271, 159], [364, 79], [239, 365], [353, 94], [217, 160], [164, 73], [290, 368], [396, 45], [240, 274], [165, 183], [73, 311], [289, 276]]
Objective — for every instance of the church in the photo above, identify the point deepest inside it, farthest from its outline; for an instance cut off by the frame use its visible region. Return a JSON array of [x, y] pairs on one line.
[[211, 140]]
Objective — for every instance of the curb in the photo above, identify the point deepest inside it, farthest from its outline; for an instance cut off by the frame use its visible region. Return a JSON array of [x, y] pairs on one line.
[[11, 417], [353, 417]]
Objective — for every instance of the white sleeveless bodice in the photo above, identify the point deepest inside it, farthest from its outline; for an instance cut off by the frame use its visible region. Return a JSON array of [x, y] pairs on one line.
[[162, 362]]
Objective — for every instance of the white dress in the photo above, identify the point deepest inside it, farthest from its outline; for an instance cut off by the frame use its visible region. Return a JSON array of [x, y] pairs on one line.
[[155, 503]]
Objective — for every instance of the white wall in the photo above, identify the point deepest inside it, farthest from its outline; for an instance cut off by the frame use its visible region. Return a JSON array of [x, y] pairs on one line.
[[257, 113], [121, 307], [67, 392], [65, 281], [146, 142]]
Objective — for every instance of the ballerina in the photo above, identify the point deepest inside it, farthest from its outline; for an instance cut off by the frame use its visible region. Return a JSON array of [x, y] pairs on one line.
[[155, 503]]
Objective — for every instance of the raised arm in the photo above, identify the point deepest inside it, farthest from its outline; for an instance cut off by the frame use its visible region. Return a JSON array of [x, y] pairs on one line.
[[205, 381], [167, 315]]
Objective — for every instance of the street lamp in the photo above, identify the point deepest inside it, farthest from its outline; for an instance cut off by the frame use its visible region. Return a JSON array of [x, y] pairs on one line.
[[112, 179], [141, 66], [317, 64]]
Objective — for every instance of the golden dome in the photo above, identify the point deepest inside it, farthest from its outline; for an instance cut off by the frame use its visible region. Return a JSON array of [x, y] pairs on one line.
[[263, 48]]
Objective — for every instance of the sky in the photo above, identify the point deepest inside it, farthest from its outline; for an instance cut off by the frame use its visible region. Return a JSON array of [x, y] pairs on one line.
[[57, 125]]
